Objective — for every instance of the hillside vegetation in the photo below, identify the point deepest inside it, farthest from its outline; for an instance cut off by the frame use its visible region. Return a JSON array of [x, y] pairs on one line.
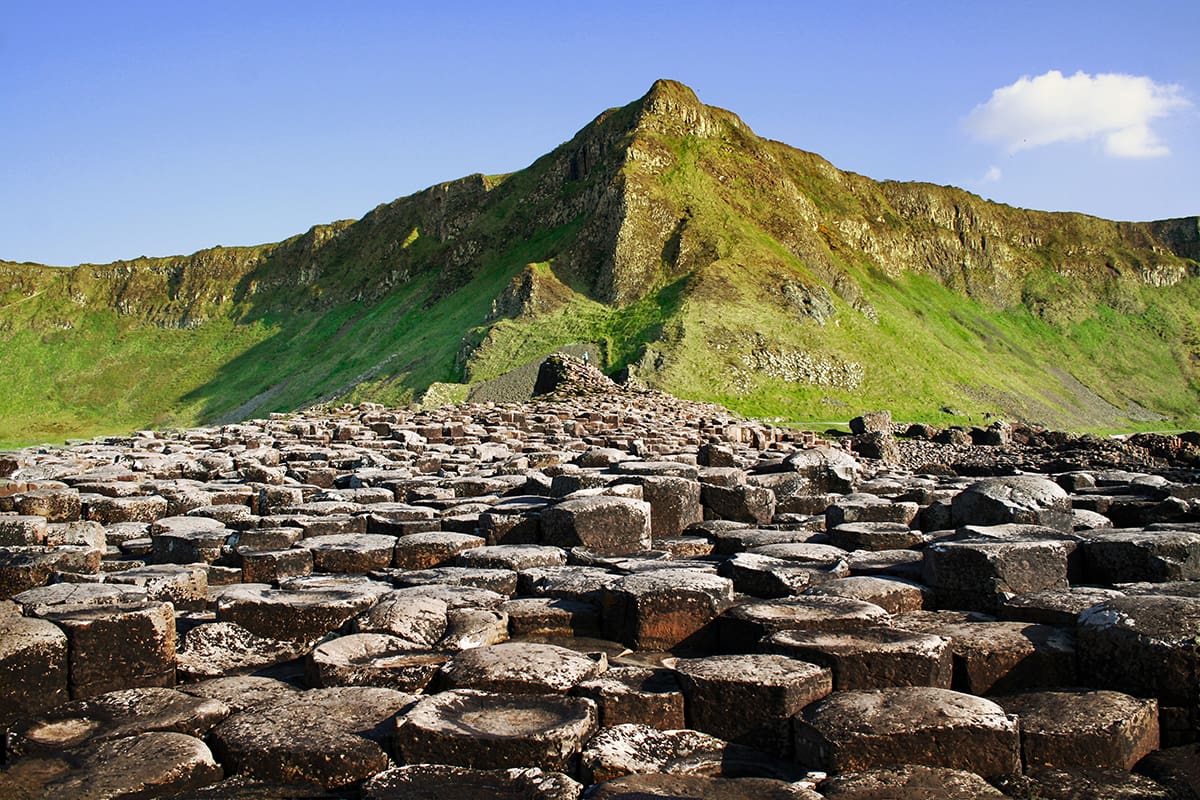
[[682, 248]]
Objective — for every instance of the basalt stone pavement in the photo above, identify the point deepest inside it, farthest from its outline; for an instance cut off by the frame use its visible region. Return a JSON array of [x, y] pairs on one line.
[[612, 594]]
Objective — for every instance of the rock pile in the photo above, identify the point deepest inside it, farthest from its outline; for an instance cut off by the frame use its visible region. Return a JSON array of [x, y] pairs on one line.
[[617, 594]]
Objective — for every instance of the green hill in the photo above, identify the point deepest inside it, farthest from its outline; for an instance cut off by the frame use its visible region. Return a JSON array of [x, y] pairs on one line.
[[683, 248]]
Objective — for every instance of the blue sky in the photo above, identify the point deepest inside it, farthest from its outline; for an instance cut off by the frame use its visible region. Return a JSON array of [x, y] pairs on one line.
[[162, 128]]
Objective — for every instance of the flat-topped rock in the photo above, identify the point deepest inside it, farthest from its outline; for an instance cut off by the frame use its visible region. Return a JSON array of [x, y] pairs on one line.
[[1025, 499], [521, 667], [750, 699], [1084, 729], [744, 625], [666, 608], [329, 737], [483, 730], [431, 781], [862, 730], [299, 615], [870, 658], [909, 782], [605, 525]]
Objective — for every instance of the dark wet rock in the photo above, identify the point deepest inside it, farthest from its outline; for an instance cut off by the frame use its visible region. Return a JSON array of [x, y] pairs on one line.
[[483, 730], [863, 730]]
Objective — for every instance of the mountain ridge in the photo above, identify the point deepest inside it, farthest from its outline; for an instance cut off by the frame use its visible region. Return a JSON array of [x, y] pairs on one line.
[[691, 252]]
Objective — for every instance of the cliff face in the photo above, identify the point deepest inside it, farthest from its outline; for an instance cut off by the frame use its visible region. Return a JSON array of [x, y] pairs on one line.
[[708, 261]]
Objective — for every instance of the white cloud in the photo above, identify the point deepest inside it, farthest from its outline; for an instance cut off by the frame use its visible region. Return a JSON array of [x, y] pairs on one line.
[[992, 175], [1050, 108]]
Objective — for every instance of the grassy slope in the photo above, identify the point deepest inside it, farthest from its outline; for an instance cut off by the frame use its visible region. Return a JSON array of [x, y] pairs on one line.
[[82, 369]]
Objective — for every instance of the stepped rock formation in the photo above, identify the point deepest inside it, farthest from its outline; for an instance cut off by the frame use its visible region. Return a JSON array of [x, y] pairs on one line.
[[681, 247], [597, 594]]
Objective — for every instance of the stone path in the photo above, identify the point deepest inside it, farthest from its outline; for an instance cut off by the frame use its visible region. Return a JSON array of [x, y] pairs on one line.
[[615, 594]]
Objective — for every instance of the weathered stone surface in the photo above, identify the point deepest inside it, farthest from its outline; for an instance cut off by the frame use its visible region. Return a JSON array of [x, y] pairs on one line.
[[605, 525], [627, 749], [118, 646], [372, 659], [1054, 606], [875, 536], [138, 508], [1002, 657], [242, 692], [1127, 556], [1027, 499], [766, 577], [330, 737], [497, 731], [826, 469], [636, 695], [33, 666], [698, 787], [893, 595], [744, 503], [434, 781], [750, 699], [146, 765], [113, 716], [544, 615], [185, 587], [522, 667], [1052, 783], [515, 557], [1143, 645], [273, 566], [909, 782], [291, 615], [22, 530], [665, 608], [226, 648], [421, 620], [188, 539], [351, 552], [432, 549], [743, 626], [871, 658], [979, 575], [1085, 730], [863, 730]]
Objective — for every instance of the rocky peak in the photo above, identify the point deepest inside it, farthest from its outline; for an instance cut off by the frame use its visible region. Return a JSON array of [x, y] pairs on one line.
[[673, 108]]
